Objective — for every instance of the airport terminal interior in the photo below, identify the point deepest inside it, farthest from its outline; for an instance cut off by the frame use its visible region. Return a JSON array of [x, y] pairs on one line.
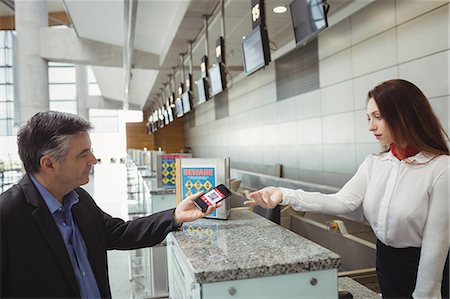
[[186, 94]]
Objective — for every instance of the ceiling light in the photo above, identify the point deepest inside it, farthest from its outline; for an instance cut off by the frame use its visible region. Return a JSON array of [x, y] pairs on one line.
[[280, 9]]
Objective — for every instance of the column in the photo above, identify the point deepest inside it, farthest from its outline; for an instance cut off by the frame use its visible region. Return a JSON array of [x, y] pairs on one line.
[[32, 71], [82, 84]]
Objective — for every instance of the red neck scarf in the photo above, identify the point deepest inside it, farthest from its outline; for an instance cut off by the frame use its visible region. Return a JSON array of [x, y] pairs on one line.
[[402, 153]]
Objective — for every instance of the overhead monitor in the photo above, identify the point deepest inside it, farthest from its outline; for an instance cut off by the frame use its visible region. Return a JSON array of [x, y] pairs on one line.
[[160, 118], [202, 90], [166, 115], [150, 124], [169, 111], [155, 120], [255, 50], [204, 67], [179, 107], [309, 17], [217, 79], [188, 83], [187, 101]]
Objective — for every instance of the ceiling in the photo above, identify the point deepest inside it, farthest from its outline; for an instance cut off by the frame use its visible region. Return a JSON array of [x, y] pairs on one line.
[[165, 28]]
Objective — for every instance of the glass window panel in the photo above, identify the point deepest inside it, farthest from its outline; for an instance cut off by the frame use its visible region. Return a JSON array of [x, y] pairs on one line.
[[3, 93], [8, 57], [9, 75], [62, 91], [7, 39], [6, 92], [6, 87], [61, 75], [2, 56], [3, 127], [6, 75], [64, 106], [6, 110], [14, 128], [94, 90], [3, 110], [10, 109], [9, 92]]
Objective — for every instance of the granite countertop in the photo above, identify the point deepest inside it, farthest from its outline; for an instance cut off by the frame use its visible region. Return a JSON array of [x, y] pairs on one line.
[[248, 246], [358, 290], [161, 191]]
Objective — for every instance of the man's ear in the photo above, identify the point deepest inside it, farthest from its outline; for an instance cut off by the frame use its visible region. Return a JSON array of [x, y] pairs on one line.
[[47, 163]]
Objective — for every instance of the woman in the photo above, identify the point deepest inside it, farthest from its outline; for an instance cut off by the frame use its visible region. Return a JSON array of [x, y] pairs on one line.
[[404, 192]]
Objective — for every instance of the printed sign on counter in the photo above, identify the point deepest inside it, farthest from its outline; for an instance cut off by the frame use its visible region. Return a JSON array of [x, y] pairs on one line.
[[166, 170], [199, 174]]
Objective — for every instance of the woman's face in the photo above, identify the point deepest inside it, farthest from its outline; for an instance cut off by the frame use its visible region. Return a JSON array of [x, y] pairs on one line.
[[377, 125]]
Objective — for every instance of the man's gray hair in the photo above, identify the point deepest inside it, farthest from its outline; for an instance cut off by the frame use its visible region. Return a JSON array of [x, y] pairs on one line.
[[48, 133]]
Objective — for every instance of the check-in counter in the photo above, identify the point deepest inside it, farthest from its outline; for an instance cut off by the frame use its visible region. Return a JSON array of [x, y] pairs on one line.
[[349, 235], [248, 256]]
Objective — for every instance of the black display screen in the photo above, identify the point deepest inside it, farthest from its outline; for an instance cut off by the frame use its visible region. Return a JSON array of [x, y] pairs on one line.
[[255, 50], [202, 90], [186, 98], [216, 78], [308, 19]]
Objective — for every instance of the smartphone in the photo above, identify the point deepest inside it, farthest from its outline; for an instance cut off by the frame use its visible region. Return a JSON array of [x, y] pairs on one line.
[[212, 197]]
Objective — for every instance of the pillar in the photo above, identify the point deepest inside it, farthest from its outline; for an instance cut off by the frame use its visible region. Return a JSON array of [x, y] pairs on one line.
[[82, 87], [32, 71]]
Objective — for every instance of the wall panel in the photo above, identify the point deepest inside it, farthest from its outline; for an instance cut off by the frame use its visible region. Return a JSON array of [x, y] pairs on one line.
[[320, 134]]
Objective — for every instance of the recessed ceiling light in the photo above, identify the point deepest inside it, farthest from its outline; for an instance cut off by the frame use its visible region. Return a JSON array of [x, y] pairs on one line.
[[280, 9]]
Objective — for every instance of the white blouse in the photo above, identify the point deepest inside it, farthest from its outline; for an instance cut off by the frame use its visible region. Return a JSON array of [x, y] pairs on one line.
[[405, 204]]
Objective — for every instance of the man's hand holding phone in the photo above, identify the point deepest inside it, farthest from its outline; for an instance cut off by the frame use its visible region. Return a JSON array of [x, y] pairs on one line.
[[212, 197], [187, 210]]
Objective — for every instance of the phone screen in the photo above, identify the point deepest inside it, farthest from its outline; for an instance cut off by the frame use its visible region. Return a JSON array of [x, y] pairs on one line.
[[212, 197]]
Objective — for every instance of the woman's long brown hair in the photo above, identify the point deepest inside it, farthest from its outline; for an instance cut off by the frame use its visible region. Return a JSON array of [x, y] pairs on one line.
[[410, 117]]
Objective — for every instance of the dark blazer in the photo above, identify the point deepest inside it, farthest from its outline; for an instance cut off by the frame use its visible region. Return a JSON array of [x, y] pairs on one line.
[[34, 260]]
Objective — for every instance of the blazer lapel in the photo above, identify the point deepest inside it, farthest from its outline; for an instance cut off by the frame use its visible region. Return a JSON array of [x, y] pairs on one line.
[[49, 229]]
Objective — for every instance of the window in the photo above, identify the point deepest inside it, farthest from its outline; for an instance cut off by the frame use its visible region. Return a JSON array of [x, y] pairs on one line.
[[62, 87], [6, 83]]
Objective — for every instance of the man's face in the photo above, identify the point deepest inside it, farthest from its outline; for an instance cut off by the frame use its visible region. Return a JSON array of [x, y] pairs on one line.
[[73, 171]]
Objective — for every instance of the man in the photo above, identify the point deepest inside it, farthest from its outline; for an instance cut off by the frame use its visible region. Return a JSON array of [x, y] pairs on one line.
[[54, 238]]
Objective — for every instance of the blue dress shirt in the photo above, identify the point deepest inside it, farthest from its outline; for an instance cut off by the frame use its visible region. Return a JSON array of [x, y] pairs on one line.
[[76, 248]]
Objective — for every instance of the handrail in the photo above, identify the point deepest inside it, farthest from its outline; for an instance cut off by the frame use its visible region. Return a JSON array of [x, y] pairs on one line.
[[308, 185], [344, 234]]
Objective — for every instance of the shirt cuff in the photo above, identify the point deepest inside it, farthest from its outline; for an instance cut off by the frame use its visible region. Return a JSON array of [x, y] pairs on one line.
[[285, 192]]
